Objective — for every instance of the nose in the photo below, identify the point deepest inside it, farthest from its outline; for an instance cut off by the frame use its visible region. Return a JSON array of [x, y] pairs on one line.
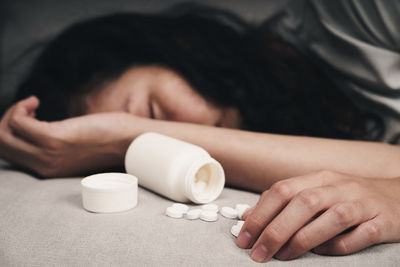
[[138, 106]]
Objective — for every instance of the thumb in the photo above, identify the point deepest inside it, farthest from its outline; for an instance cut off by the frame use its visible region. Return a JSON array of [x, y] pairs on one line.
[[23, 108], [27, 106], [22, 120]]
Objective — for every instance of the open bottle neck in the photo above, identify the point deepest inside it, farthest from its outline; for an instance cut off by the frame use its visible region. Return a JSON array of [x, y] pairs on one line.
[[204, 180]]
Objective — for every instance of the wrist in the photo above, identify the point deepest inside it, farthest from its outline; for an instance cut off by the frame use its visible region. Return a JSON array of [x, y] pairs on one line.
[[126, 128]]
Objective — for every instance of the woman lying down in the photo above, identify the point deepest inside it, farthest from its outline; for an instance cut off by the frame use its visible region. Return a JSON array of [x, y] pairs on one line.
[[275, 122]]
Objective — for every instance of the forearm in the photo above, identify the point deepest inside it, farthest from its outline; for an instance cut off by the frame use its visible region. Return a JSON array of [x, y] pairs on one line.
[[257, 160], [251, 160]]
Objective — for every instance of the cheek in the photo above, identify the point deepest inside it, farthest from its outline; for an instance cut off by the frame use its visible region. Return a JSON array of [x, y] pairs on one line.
[[105, 103]]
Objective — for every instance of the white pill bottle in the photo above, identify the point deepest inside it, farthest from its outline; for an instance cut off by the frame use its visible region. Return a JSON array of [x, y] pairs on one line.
[[175, 169]]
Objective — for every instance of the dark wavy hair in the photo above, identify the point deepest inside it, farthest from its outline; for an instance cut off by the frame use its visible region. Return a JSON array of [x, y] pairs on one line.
[[228, 61]]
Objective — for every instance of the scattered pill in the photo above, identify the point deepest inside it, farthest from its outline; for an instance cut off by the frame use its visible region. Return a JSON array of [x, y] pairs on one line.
[[208, 216], [210, 207], [229, 212], [174, 212], [240, 223], [193, 214], [235, 230], [241, 208], [208, 213], [182, 207]]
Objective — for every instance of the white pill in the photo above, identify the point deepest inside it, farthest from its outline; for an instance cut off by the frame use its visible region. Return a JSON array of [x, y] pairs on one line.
[[235, 230], [240, 223], [210, 207], [174, 212], [241, 208], [182, 207], [193, 214], [229, 212], [208, 216]]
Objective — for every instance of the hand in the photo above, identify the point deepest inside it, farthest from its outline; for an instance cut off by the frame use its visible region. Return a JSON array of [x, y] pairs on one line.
[[331, 213], [69, 147]]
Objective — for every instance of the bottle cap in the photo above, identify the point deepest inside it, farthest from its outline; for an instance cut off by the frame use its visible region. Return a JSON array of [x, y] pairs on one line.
[[109, 192]]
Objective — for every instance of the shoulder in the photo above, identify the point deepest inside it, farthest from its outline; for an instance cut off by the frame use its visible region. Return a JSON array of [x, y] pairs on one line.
[[372, 22], [356, 43], [358, 40]]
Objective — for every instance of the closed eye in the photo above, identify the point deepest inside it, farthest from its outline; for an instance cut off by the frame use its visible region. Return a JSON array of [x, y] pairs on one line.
[[151, 110], [126, 106]]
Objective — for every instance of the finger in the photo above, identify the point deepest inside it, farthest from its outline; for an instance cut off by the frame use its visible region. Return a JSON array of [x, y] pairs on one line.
[[24, 108], [293, 217], [250, 210], [13, 148], [28, 105], [5, 118], [23, 123], [333, 222], [273, 201], [11, 143], [31, 129], [18, 151], [32, 114], [247, 213], [363, 236]]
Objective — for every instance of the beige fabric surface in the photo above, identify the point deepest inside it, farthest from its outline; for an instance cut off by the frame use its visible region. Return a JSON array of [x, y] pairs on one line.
[[42, 223]]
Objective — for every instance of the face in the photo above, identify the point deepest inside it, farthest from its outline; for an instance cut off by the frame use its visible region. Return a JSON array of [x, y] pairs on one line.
[[159, 93]]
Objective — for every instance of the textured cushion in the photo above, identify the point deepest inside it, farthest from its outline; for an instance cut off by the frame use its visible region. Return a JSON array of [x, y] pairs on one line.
[[42, 223]]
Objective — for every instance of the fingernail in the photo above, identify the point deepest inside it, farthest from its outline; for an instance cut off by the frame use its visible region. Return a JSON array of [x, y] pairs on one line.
[[286, 254], [320, 250], [259, 254], [244, 240]]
